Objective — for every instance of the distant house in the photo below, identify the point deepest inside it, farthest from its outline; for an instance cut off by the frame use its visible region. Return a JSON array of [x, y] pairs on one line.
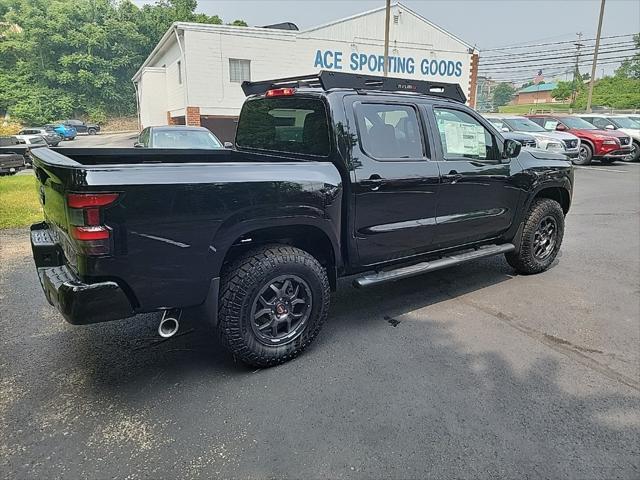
[[540, 93]]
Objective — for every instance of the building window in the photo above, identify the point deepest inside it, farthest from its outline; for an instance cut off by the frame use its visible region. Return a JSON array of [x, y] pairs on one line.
[[239, 70], [179, 72]]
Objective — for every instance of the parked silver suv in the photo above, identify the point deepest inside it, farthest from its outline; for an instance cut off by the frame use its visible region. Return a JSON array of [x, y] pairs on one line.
[[560, 142]]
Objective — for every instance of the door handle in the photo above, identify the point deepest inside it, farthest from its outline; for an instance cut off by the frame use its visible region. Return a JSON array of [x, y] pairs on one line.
[[374, 182], [452, 177]]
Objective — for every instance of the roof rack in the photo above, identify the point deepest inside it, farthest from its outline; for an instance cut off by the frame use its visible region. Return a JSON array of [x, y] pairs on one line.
[[328, 80]]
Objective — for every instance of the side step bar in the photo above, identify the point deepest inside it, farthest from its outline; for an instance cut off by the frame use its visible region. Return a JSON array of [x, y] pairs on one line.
[[424, 267]]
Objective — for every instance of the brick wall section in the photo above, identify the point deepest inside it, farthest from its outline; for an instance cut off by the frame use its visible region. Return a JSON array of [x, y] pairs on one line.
[[473, 85], [193, 116], [172, 120]]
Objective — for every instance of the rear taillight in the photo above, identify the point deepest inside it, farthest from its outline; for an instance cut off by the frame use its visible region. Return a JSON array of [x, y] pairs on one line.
[[85, 219], [83, 200]]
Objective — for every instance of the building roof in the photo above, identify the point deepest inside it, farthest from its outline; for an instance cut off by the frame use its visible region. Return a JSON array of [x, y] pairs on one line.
[[394, 4], [541, 87], [169, 35]]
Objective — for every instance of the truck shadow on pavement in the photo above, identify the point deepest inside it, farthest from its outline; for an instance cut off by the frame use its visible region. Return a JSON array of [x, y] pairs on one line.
[[367, 400]]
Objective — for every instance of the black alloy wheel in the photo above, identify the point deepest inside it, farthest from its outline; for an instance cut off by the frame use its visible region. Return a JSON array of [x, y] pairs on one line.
[[545, 238], [281, 310]]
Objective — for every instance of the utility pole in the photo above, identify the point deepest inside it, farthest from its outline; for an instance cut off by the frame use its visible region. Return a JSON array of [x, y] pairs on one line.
[[387, 14], [595, 58], [576, 70]]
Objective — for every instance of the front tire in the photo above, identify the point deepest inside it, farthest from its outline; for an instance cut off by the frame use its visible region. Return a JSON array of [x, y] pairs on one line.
[[92, 131], [274, 301], [585, 155], [634, 156], [541, 238]]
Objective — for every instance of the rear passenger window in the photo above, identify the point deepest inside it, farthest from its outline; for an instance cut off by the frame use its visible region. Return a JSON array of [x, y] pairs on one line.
[[389, 132]]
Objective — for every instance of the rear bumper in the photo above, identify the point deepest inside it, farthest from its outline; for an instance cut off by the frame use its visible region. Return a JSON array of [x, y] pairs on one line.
[[11, 169], [572, 154], [79, 303]]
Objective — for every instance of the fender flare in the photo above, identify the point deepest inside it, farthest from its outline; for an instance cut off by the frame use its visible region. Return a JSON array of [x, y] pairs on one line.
[[227, 235]]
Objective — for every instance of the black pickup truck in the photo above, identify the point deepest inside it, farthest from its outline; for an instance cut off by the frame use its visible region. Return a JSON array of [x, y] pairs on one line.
[[332, 175]]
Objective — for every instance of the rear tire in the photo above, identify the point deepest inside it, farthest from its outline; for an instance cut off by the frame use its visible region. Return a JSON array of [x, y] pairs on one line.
[[91, 131], [585, 155], [541, 238], [274, 300]]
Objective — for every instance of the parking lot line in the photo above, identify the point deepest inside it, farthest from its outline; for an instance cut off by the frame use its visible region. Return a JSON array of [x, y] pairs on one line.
[[601, 168]]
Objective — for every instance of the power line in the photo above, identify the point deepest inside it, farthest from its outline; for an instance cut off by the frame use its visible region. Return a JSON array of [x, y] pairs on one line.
[[505, 76], [561, 50], [511, 47], [559, 57], [543, 64]]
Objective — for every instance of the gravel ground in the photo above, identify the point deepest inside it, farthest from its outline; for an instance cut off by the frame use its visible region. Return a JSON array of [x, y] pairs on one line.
[[470, 372]]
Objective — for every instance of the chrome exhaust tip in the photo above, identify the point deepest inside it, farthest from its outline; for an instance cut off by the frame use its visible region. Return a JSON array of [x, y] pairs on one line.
[[169, 324]]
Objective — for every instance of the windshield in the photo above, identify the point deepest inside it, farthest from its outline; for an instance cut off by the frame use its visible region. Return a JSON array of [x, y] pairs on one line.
[[185, 139], [496, 122], [575, 122], [624, 122], [523, 125]]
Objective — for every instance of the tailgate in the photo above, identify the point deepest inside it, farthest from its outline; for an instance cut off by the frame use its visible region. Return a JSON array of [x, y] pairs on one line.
[[54, 174]]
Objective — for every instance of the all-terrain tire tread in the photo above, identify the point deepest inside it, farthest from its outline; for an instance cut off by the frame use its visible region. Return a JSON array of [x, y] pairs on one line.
[[238, 278], [522, 260]]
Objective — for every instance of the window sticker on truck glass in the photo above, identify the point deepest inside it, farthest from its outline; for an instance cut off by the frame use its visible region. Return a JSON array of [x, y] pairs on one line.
[[462, 136]]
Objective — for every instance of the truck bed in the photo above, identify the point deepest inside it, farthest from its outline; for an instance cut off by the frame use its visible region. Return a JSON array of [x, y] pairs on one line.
[[178, 212], [70, 157]]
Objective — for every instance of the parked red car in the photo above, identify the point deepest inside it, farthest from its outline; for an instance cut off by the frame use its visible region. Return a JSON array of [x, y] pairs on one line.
[[595, 144]]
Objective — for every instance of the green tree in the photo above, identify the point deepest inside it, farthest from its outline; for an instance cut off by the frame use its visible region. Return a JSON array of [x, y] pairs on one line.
[[77, 57], [630, 67], [616, 92], [562, 91], [503, 94]]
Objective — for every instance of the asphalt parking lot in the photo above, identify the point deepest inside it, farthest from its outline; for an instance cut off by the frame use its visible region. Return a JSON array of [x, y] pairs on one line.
[[471, 372]]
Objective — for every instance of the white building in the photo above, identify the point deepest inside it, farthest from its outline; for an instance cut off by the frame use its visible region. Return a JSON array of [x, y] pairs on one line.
[[193, 75]]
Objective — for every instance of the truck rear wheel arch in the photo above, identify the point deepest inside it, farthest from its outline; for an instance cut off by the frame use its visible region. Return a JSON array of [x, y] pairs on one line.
[[309, 238]]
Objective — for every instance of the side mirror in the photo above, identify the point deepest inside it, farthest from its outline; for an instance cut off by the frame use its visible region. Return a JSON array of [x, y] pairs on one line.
[[504, 129], [511, 149], [610, 127], [228, 145], [138, 145], [560, 127]]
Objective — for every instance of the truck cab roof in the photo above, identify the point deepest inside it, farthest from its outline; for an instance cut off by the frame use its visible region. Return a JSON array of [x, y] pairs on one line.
[[326, 82]]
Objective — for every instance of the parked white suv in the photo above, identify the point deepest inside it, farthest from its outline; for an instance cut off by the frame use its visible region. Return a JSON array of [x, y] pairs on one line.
[[618, 122], [559, 142]]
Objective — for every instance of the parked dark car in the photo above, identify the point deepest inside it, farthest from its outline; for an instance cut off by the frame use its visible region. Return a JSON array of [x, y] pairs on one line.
[[11, 162], [82, 127], [49, 135], [527, 141], [333, 174], [178, 136]]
